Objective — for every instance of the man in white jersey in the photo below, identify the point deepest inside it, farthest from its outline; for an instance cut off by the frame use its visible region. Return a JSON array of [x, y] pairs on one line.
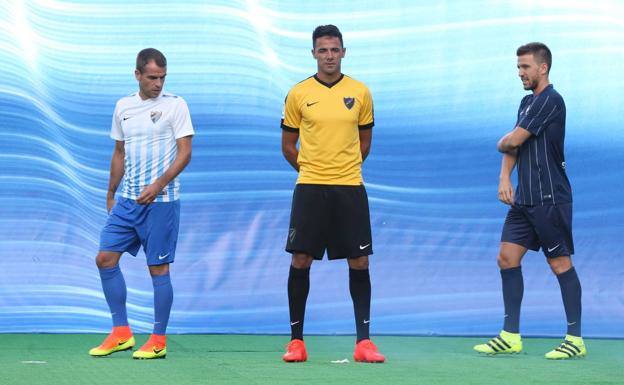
[[153, 132]]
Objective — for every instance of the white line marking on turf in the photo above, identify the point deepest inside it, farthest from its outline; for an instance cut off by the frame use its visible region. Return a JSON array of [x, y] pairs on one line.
[[344, 361], [34, 362]]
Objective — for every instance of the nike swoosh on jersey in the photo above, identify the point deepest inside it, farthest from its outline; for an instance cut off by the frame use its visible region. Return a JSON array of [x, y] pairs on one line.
[[311, 104]]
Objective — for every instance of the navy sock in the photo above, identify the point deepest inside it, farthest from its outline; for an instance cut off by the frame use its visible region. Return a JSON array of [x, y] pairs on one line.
[[513, 290], [360, 288], [298, 289], [114, 287], [163, 298], [571, 294]]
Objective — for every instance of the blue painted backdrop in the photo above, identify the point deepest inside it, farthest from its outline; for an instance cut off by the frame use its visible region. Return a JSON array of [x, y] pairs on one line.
[[445, 86]]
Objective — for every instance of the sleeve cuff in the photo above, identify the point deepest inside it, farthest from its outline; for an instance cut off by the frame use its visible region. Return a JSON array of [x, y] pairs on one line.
[[366, 126], [288, 128]]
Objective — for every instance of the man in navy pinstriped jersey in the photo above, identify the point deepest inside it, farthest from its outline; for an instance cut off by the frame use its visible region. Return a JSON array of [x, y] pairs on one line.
[[540, 215]]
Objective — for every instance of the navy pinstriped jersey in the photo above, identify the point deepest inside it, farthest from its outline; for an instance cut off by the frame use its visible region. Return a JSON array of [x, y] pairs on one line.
[[542, 179]]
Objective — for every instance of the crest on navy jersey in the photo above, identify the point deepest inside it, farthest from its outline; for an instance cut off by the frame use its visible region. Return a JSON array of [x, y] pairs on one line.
[[349, 102], [155, 115]]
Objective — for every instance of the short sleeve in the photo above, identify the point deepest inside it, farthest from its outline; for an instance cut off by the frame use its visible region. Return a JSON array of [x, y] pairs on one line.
[[291, 117], [182, 125], [116, 131], [540, 113], [366, 120]]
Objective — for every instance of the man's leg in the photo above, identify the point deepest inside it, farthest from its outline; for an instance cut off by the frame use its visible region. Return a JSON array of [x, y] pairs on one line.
[[573, 345], [163, 297], [508, 341], [159, 235], [360, 289], [156, 345], [306, 241], [570, 291], [298, 289], [114, 287], [509, 259]]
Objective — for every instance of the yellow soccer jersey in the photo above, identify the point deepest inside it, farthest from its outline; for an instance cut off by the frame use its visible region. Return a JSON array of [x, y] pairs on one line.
[[328, 118]]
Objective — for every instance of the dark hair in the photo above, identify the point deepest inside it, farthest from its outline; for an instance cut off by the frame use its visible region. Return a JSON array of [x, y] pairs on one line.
[[147, 55], [326, 30], [540, 52]]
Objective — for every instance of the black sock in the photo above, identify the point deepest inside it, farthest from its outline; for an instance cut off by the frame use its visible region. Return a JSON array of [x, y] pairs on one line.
[[513, 290], [298, 288], [360, 288], [571, 294]]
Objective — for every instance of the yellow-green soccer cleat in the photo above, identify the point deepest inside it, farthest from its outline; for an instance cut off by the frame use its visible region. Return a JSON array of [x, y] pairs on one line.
[[504, 343], [571, 347], [155, 347], [111, 345]]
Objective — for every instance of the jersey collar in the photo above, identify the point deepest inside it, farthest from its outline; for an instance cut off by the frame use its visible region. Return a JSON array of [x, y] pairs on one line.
[[138, 97], [329, 85]]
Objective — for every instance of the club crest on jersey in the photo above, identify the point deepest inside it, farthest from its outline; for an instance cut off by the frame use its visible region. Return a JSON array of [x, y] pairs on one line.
[[349, 102], [155, 115]]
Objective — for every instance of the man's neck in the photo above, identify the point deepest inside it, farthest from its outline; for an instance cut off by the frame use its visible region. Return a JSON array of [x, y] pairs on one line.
[[541, 87], [329, 79]]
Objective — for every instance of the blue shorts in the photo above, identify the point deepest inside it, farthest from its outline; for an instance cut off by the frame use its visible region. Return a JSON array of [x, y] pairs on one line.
[[155, 226], [548, 227]]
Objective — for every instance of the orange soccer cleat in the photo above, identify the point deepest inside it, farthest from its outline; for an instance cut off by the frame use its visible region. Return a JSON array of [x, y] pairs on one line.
[[118, 340], [295, 351], [366, 351]]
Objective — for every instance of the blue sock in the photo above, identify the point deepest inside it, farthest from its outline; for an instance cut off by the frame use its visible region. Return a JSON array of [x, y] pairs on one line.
[[571, 294], [114, 287], [513, 290], [163, 298]]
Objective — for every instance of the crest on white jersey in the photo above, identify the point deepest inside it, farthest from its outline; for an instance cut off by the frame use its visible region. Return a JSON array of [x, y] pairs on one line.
[[155, 115]]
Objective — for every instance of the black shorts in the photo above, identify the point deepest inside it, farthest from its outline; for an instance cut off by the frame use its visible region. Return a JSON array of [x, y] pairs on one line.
[[548, 227], [330, 217]]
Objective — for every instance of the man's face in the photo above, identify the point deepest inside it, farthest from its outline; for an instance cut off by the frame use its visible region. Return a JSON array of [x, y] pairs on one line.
[[152, 80], [328, 53], [530, 71]]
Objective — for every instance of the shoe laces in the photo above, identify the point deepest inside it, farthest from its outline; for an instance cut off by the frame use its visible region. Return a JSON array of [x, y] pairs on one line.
[[368, 344], [111, 339], [293, 344]]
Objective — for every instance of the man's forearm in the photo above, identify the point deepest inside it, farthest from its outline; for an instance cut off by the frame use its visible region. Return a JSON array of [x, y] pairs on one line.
[[291, 156], [508, 163], [116, 173]]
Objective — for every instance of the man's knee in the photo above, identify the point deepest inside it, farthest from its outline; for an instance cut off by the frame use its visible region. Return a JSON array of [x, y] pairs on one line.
[[510, 255], [359, 263], [507, 261], [159, 269], [105, 259], [301, 261], [560, 265]]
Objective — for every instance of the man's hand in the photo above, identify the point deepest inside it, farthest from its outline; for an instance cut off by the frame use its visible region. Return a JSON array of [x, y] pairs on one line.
[[506, 191], [149, 194], [110, 202]]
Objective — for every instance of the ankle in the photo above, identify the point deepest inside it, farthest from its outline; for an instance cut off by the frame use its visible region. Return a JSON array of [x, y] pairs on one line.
[[122, 331]]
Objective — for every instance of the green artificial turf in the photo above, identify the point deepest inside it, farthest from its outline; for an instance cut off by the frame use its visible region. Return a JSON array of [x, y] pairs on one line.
[[244, 359]]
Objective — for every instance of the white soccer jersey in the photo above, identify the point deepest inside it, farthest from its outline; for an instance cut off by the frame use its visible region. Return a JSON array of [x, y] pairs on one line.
[[149, 129]]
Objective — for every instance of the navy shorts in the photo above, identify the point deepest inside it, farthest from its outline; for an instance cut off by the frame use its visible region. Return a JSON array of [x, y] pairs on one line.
[[548, 227], [330, 217], [155, 226]]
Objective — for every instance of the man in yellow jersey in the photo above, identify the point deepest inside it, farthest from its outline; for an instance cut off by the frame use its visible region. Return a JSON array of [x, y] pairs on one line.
[[332, 116]]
